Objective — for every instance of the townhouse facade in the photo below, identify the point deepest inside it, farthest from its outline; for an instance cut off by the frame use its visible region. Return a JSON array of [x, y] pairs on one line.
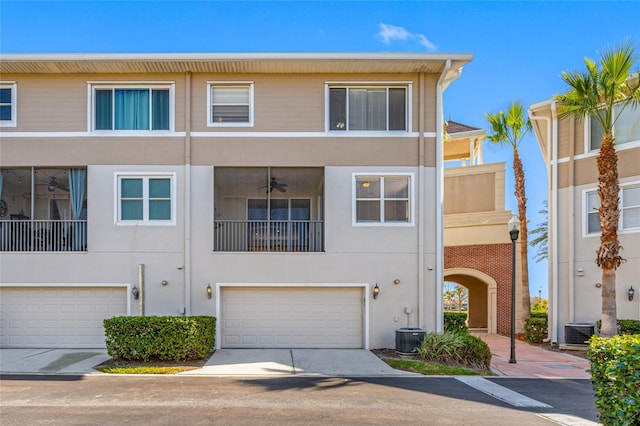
[[570, 148], [296, 197]]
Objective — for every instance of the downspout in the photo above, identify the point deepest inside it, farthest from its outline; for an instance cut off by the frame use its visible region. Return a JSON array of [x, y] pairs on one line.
[[187, 196], [572, 251], [440, 196], [554, 235], [421, 206]]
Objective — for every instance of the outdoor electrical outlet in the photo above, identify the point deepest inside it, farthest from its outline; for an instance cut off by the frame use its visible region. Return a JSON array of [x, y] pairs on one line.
[[407, 310]]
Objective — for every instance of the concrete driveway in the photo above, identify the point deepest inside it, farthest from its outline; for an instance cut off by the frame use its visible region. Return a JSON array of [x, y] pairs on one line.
[[224, 362], [297, 362]]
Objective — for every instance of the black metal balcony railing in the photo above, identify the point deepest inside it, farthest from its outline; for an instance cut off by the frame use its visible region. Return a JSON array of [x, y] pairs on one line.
[[43, 235], [268, 235]]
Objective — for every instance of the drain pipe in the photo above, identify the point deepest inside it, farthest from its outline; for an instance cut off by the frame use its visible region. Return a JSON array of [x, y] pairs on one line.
[[439, 267], [421, 213], [141, 289], [187, 198]]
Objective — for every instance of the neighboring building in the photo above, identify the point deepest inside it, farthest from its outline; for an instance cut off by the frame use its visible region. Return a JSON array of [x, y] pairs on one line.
[[292, 185], [570, 148], [478, 250]]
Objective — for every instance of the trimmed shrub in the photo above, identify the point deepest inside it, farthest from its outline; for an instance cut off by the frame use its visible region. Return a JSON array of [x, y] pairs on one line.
[[160, 338], [616, 378], [455, 349], [455, 322], [625, 326], [535, 329], [539, 314]]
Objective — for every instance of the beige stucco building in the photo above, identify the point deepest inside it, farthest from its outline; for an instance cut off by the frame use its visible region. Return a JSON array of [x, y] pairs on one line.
[[570, 149]]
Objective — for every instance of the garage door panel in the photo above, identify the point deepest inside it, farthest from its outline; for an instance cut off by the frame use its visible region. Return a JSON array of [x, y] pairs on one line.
[[63, 317], [284, 317]]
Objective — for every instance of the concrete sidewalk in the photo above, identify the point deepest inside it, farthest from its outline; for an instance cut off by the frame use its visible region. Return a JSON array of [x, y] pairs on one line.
[[533, 361]]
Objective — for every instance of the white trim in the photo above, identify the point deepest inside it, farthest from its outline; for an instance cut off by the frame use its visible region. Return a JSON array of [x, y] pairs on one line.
[[594, 153], [76, 285], [172, 134], [366, 287], [383, 83], [13, 122], [248, 84], [93, 85], [117, 176], [97, 134], [410, 223]]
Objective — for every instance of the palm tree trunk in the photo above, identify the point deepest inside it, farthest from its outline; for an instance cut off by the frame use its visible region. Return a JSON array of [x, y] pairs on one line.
[[608, 255], [518, 172]]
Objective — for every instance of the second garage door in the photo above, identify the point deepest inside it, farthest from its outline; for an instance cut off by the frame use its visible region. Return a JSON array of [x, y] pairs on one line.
[[292, 317], [58, 317]]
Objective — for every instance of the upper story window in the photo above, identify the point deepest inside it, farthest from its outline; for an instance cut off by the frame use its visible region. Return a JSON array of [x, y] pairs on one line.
[[382, 199], [132, 107], [625, 130], [629, 209], [146, 199], [378, 108], [7, 104], [230, 104]]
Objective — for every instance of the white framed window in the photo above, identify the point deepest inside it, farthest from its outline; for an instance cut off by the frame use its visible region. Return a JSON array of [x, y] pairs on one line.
[[382, 199], [629, 209], [145, 199], [355, 108], [131, 106], [626, 129], [8, 107], [230, 104]]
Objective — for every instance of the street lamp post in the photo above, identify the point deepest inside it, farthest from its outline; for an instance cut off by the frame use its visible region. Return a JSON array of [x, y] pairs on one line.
[[514, 230]]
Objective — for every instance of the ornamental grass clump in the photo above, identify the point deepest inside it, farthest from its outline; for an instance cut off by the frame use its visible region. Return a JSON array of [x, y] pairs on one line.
[[455, 349]]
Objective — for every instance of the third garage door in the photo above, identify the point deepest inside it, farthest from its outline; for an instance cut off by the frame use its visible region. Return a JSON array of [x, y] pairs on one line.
[[292, 317]]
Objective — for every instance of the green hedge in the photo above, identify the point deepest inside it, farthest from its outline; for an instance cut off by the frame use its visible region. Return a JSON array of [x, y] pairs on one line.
[[615, 374], [160, 338], [625, 326], [455, 322], [535, 329]]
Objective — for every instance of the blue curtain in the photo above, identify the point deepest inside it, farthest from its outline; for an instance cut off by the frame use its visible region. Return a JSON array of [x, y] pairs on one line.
[[77, 185], [131, 109], [104, 110], [160, 109]]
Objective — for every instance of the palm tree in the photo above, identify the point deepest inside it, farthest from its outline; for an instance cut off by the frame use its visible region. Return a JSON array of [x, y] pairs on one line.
[[542, 235], [508, 130], [593, 94]]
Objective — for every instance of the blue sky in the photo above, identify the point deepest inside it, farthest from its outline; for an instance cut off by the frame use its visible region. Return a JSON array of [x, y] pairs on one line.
[[519, 48]]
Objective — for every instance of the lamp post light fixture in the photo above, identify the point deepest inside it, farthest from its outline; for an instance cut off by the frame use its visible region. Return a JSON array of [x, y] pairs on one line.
[[514, 231], [135, 292], [209, 291], [376, 291], [631, 292]]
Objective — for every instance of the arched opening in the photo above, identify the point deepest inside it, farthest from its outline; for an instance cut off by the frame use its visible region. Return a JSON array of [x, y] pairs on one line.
[[482, 297]]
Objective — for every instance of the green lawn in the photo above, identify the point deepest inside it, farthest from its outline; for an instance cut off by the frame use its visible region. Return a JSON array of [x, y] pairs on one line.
[[432, 369]]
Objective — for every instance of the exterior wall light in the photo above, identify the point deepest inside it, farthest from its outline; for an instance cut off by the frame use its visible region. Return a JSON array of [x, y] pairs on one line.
[[631, 292], [135, 292], [376, 291], [209, 291]]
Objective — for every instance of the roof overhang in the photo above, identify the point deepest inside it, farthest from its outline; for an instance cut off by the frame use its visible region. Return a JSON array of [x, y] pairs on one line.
[[302, 63]]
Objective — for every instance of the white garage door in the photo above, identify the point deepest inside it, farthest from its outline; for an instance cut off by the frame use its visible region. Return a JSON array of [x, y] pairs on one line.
[[287, 317], [58, 317]]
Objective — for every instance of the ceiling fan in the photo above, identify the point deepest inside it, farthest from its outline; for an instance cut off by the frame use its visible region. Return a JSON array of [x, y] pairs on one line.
[[53, 184], [274, 184]]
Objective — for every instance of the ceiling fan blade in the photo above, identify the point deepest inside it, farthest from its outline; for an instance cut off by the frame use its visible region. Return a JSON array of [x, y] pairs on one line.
[[280, 188]]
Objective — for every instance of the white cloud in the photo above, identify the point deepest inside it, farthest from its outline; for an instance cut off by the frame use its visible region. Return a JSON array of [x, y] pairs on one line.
[[389, 33]]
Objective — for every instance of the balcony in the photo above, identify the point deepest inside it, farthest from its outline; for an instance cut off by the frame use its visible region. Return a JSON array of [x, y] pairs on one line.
[[43, 235], [264, 235], [268, 209]]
